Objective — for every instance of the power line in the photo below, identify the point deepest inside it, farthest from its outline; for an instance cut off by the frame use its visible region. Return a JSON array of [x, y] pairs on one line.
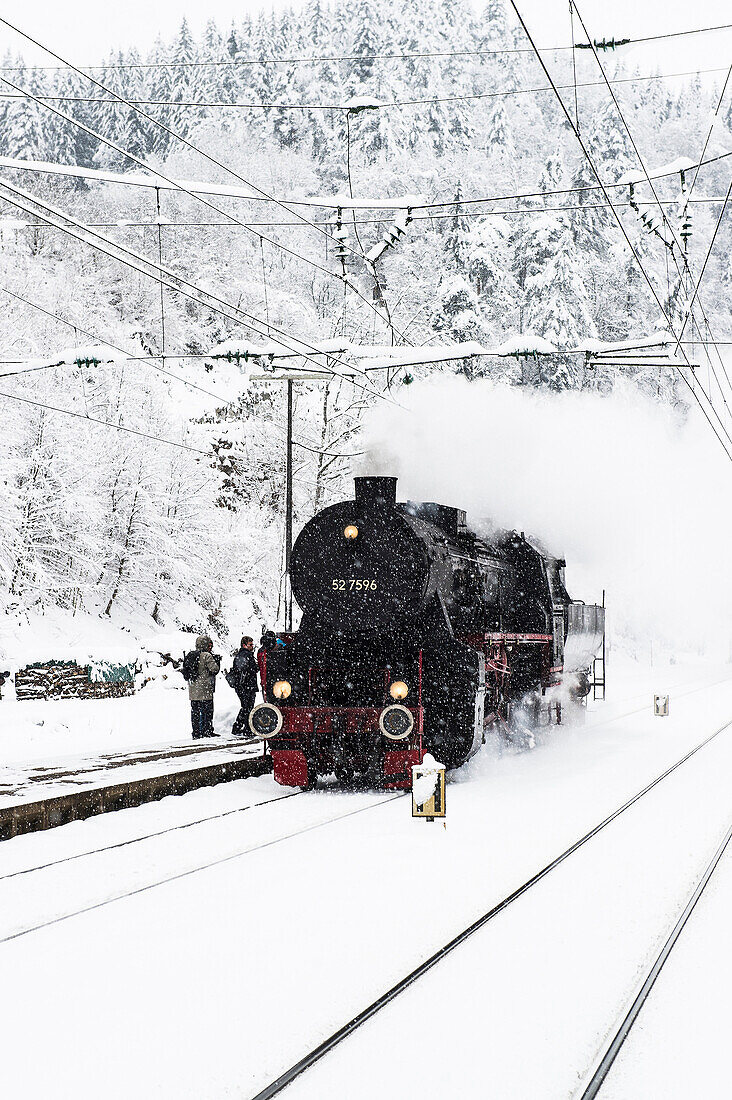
[[194, 195], [637, 259], [416, 55], [664, 217], [475, 96], [143, 359], [93, 336], [563, 190], [585, 207], [407, 202], [104, 423], [704, 265], [711, 128], [176, 186]]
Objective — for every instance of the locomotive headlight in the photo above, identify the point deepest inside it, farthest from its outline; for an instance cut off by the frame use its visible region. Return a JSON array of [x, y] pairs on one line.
[[398, 690], [350, 532], [282, 689]]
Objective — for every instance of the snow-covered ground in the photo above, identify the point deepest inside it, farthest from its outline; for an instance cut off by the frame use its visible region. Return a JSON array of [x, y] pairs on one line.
[[236, 945]]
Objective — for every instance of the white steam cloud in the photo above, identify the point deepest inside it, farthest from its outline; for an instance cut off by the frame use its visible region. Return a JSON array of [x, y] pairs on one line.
[[639, 502]]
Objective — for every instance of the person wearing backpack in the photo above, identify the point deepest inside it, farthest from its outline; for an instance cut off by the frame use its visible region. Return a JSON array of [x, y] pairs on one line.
[[200, 669], [243, 679]]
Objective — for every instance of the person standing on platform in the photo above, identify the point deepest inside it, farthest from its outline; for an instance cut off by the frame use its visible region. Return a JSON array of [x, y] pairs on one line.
[[243, 679], [201, 686]]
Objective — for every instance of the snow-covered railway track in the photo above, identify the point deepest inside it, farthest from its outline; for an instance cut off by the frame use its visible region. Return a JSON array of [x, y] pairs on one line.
[[46, 884], [147, 836], [337, 1037], [616, 1039]]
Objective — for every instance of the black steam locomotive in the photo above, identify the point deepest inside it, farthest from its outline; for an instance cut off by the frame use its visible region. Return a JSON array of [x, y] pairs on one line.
[[416, 634]]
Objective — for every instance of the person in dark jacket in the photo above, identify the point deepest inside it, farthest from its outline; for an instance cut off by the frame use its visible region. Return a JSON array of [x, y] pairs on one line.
[[201, 688], [243, 679]]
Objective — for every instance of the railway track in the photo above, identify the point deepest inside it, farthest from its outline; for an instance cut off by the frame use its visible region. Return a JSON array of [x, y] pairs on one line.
[[616, 1039], [336, 1038], [147, 836], [176, 877]]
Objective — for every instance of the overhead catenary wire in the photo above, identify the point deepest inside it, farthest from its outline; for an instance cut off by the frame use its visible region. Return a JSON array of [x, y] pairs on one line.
[[638, 261], [237, 61], [104, 423], [604, 187], [386, 217], [704, 264], [174, 183], [715, 116], [410, 202], [425, 101], [144, 360], [194, 195]]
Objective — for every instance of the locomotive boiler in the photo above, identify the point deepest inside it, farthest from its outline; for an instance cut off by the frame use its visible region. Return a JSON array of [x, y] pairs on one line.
[[416, 634]]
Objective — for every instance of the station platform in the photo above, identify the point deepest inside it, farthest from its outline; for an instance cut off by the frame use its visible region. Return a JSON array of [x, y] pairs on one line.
[[41, 795]]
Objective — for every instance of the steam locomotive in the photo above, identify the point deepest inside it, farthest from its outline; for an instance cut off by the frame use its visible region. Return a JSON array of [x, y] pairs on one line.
[[416, 635]]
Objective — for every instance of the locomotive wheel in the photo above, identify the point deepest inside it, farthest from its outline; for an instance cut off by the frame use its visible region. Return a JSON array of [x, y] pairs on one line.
[[312, 777]]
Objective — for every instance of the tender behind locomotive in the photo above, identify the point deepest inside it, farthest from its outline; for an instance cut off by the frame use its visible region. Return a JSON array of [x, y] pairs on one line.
[[415, 635]]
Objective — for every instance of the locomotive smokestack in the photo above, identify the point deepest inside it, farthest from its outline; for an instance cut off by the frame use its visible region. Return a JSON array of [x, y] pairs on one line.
[[376, 490]]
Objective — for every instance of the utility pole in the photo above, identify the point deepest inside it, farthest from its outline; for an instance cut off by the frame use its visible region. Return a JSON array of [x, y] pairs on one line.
[[160, 266], [289, 378], [288, 510]]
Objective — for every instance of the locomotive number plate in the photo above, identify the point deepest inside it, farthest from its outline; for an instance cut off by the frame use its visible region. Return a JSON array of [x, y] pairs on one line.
[[353, 584]]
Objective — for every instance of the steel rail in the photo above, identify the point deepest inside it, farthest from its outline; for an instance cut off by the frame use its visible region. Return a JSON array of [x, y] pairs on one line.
[[308, 1060], [615, 1044], [193, 870], [146, 836]]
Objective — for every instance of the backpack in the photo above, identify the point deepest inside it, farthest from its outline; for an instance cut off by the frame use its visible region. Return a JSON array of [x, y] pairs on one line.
[[190, 666]]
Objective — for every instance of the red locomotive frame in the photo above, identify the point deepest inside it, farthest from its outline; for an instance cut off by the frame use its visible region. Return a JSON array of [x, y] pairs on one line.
[[297, 740]]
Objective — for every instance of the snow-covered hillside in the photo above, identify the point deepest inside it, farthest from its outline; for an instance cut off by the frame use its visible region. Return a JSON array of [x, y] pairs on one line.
[[158, 504]]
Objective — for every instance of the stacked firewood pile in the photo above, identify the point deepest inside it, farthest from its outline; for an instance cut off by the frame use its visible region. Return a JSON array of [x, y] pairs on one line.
[[67, 680]]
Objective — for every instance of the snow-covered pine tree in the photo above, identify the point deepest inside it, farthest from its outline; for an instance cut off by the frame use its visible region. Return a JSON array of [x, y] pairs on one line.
[[23, 132], [159, 87], [458, 31], [62, 138], [593, 226], [284, 123], [184, 80], [556, 304], [108, 117]]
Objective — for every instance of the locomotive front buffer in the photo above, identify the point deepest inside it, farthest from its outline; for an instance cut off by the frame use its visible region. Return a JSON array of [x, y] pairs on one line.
[[380, 742]]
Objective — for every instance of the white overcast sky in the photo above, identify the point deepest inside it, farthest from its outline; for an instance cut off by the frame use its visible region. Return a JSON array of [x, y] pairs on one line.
[[85, 30]]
